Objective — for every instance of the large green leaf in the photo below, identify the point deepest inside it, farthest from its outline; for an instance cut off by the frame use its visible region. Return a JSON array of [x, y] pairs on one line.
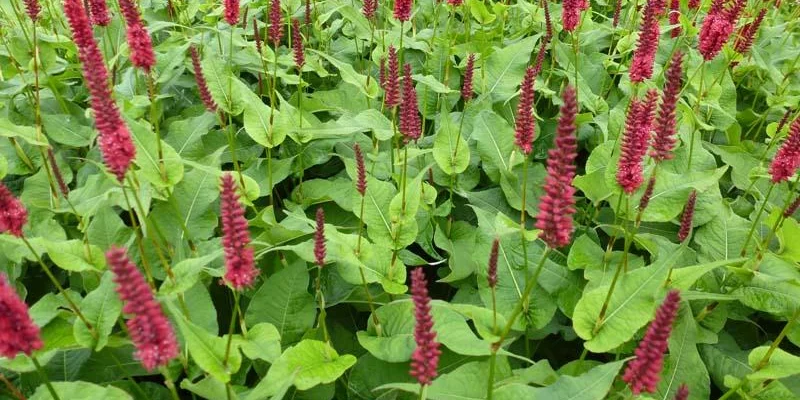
[[504, 70], [80, 391], [208, 350], [161, 172], [494, 138], [593, 385], [101, 307], [781, 364], [683, 365], [350, 75], [284, 301], [450, 150]]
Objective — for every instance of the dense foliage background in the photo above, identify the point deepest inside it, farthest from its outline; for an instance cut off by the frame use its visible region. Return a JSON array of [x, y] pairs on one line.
[[345, 329]]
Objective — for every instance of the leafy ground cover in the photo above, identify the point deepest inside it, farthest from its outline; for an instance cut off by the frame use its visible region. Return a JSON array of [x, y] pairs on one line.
[[328, 199]]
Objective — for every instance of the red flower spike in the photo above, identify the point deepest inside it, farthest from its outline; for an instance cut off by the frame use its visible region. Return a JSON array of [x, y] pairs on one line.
[[642, 63], [382, 73], [548, 23], [257, 36], [455, 3], [231, 12], [548, 36], [648, 194], [240, 270], [682, 393], [98, 11], [674, 17], [308, 12], [491, 273], [202, 85], [62, 186], [790, 210], [142, 55], [642, 374], [361, 171], [18, 332], [425, 359], [687, 216], [370, 6], [466, 87], [525, 127], [150, 330], [33, 8], [13, 214], [746, 36], [297, 45], [571, 14], [410, 124], [694, 4], [319, 238], [115, 139], [635, 141], [718, 27], [275, 32], [557, 205], [787, 159], [665, 125], [784, 120], [617, 10], [392, 84], [402, 10]]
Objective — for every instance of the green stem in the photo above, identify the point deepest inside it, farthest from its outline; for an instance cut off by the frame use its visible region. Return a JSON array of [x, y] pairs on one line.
[[743, 252], [524, 299], [46, 379], [423, 392], [170, 384], [696, 106], [492, 367], [231, 327], [322, 314]]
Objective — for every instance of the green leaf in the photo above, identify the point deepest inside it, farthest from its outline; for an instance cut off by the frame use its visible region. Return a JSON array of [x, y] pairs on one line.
[[208, 350], [494, 138], [450, 150], [504, 70], [25, 133], [306, 365], [631, 305], [71, 255], [593, 385], [101, 307], [283, 301], [224, 86], [262, 342], [80, 391], [781, 364], [147, 157], [350, 75], [257, 125], [683, 365], [772, 295], [68, 130], [396, 342]]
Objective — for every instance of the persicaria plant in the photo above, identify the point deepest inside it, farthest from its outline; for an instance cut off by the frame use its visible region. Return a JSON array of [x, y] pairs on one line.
[[252, 200]]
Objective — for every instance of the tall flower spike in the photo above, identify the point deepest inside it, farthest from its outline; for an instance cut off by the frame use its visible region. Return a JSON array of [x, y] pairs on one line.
[[382, 73], [665, 125], [571, 14], [694, 4], [240, 269], [98, 10], [231, 12], [646, 47], [202, 86], [142, 55], [548, 36], [275, 23], [62, 186], [392, 86], [491, 272], [257, 36], [617, 10], [557, 205], [642, 374], [297, 45], [115, 138], [525, 127], [308, 13], [13, 214], [319, 238], [635, 141], [425, 359], [787, 159], [687, 217], [410, 124], [18, 332], [682, 393], [402, 10], [675, 17], [150, 330], [32, 8], [718, 26], [466, 87], [648, 194], [361, 171], [746, 36], [370, 6]]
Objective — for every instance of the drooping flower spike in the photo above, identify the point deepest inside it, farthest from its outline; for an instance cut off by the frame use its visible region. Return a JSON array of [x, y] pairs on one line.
[[115, 139], [425, 358], [240, 269], [18, 332], [150, 330], [643, 373], [557, 205]]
